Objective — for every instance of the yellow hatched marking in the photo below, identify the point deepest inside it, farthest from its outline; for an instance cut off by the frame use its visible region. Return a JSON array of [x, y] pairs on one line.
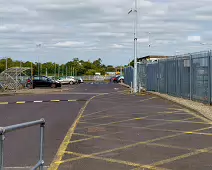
[[83, 156], [57, 160]]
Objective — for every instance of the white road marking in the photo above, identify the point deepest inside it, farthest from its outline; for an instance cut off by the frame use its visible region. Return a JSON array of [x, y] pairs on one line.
[[38, 101]]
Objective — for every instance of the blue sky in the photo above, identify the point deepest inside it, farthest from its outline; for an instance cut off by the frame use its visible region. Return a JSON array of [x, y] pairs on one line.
[[89, 29]]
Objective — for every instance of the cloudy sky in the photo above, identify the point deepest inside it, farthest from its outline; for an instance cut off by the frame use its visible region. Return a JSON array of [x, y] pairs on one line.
[[89, 29]]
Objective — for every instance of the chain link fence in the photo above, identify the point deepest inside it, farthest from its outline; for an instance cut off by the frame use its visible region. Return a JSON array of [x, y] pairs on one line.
[[187, 76]]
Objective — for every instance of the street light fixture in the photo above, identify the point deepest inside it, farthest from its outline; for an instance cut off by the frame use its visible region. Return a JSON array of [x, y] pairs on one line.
[[135, 47]]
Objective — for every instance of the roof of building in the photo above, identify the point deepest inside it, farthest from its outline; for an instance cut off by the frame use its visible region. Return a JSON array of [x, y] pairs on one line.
[[153, 56]]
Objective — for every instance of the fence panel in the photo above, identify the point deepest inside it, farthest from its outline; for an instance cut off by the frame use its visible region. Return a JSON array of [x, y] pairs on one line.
[[200, 76], [142, 79], [128, 75], [152, 76], [184, 76], [162, 76], [171, 76], [188, 76]]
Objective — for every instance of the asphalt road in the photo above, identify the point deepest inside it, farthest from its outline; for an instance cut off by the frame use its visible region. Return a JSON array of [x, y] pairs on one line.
[[114, 130], [21, 147], [123, 131]]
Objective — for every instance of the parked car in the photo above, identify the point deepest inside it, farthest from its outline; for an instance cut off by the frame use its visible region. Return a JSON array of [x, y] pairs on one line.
[[67, 80], [120, 79], [115, 79], [79, 80], [42, 81]]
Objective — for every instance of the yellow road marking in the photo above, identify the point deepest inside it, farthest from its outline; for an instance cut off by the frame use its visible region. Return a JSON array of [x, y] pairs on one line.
[[55, 100], [148, 126], [100, 117], [20, 102], [72, 100], [124, 147], [148, 99], [170, 146], [197, 116], [98, 112], [181, 121], [151, 144], [4, 102], [115, 106], [139, 118], [91, 137], [188, 132], [82, 156], [64, 144], [106, 124], [181, 156]]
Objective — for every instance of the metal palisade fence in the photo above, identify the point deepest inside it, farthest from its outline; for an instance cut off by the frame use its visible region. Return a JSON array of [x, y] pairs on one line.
[[187, 76]]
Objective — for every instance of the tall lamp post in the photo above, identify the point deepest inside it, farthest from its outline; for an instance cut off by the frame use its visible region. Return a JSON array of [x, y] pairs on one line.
[[135, 47], [38, 46]]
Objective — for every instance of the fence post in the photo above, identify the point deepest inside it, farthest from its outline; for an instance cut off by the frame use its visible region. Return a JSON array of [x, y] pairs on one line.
[[209, 77], [2, 137], [131, 87], [191, 70], [176, 75], [158, 80], [42, 126], [166, 74]]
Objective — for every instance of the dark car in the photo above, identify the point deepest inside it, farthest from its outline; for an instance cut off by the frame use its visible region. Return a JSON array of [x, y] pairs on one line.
[[43, 81], [115, 79]]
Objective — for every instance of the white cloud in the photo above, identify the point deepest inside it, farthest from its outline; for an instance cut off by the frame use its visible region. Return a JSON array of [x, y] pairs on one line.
[[69, 44], [117, 46], [194, 38], [143, 40]]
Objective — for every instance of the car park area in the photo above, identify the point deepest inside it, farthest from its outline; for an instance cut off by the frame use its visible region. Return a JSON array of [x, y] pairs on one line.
[[101, 126]]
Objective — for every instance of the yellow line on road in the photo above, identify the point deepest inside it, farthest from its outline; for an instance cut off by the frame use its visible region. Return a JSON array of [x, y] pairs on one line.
[[89, 137], [55, 100], [4, 102], [181, 121], [148, 99], [138, 118], [20, 102], [150, 144], [128, 163], [197, 116], [181, 156], [121, 148], [64, 144], [72, 100]]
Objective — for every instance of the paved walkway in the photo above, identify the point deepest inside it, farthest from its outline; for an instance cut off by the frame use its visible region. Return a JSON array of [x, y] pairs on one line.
[[119, 131]]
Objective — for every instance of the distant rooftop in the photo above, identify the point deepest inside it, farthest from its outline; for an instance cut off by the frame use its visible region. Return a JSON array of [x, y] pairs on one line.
[[153, 56]]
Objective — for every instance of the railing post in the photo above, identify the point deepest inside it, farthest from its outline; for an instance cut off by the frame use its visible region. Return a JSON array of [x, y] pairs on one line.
[[42, 126], [2, 137]]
